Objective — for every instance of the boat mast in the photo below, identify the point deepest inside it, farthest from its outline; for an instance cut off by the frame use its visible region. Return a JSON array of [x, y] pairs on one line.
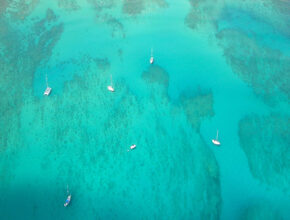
[[46, 80], [111, 81], [217, 134], [151, 52]]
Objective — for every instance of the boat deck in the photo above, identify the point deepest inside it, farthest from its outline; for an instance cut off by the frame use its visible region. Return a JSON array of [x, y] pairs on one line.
[[47, 91]]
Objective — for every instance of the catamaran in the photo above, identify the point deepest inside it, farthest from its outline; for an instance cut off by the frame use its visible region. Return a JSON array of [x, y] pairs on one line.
[[67, 201], [48, 89], [215, 141], [110, 87], [151, 58]]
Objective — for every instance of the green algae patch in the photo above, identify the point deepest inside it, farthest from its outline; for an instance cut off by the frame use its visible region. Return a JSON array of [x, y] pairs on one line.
[[265, 141], [197, 108]]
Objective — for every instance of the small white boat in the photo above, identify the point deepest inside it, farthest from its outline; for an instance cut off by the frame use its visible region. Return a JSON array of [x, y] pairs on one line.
[[132, 147], [48, 89], [110, 87], [151, 58], [67, 201], [215, 141]]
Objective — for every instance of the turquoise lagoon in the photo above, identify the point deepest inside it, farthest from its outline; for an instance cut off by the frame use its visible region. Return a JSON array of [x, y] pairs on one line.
[[218, 65]]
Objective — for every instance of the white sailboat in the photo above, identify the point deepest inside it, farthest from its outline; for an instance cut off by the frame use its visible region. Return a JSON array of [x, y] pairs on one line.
[[215, 141], [151, 57], [67, 201], [110, 87], [132, 147], [48, 89]]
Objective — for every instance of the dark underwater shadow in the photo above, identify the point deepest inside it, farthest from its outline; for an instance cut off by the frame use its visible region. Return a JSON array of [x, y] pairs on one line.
[[47, 203]]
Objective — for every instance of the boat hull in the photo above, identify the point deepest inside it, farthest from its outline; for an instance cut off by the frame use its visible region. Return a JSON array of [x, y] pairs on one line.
[[111, 89], [67, 201], [47, 91], [216, 142], [133, 147]]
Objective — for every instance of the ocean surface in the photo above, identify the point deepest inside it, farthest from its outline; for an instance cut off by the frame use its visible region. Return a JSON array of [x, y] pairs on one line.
[[219, 65]]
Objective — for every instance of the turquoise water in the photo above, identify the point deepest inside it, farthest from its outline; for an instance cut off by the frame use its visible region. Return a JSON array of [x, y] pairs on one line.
[[222, 65]]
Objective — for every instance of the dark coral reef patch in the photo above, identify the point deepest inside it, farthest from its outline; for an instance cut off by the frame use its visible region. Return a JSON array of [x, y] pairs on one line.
[[264, 69], [265, 141], [197, 107]]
